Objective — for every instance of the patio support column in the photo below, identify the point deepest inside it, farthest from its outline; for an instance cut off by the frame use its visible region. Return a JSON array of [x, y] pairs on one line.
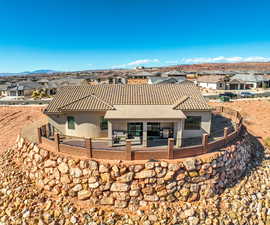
[[110, 141], [144, 139], [179, 132]]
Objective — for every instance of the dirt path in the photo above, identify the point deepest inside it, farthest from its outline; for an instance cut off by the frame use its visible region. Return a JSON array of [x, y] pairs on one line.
[[13, 118]]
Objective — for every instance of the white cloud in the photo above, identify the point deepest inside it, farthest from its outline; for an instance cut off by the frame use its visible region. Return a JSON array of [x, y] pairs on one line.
[[225, 59], [143, 61], [171, 61], [137, 63]]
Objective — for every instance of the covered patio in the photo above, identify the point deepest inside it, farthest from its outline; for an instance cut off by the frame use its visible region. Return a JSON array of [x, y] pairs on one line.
[[145, 125]]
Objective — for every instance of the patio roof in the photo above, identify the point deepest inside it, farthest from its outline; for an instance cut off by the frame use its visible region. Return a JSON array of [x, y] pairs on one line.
[[144, 112]]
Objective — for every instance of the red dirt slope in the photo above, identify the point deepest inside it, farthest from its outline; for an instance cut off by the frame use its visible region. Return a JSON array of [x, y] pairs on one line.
[[12, 119]]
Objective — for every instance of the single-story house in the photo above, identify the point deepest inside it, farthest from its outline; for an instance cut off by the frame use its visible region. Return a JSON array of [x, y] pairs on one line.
[[250, 81], [174, 73], [216, 82], [23, 89], [139, 78], [138, 112], [165, 80], [107, 79]]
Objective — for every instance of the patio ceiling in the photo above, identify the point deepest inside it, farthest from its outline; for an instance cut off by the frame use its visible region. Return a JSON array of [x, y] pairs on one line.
[[144, 112]]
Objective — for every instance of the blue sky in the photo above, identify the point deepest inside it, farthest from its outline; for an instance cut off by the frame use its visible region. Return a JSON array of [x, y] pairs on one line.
[[93, 34]]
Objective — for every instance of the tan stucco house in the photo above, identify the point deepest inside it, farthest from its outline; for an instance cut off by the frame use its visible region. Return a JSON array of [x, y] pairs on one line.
[[137, 112]]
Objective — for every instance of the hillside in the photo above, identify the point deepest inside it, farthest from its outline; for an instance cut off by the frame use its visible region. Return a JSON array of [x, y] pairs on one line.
[[251, 66]]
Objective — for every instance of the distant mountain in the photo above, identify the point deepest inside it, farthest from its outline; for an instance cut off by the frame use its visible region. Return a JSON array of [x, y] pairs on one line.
[[28, 72]]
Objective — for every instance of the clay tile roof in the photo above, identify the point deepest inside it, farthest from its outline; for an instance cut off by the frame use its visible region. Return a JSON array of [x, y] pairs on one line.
[[210, 78], [104, 97], [85, 103]]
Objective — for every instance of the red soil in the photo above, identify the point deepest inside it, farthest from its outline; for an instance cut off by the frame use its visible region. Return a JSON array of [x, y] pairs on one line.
[[12, 119], [256, 115]]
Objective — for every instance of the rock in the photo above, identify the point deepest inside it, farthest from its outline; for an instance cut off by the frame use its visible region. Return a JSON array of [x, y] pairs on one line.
[[103, 168], [93, 165], [134, 193], [49, 163], [138, 168], [94, 185], [83, 164], [189, 212], [77, 187], [63, 168], [37, 158], [120, 204], [149, 165], [84, 194], [120, 187], [73, 220], [193, 173], [75, 172], [65, 179], [92, 180], [107, 201], [126, 177], [190, 164], [145, 174], [151, 198], [152, 218], [105, 177], [193, 220], [173, 167]]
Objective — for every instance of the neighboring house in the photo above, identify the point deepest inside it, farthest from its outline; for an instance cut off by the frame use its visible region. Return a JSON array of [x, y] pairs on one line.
[[250, 81], [107, 79], [22, 89], [138, 112], [165, 80], [3, 89], [139, 78], [215, 82], [52, 86], [174, 73]]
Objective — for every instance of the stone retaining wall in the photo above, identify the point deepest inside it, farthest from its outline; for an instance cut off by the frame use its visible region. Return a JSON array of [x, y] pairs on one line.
[[132, 184]]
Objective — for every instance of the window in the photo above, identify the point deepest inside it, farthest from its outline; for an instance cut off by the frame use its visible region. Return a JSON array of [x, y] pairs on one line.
[[193, 123], [135, 130], [153, 129], [220, 85], [71, 122], [103, 123]]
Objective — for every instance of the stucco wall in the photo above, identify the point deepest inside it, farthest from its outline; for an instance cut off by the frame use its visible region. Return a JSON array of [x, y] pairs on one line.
[[58, 121], [205, 124], [86, 124], [215, 86]]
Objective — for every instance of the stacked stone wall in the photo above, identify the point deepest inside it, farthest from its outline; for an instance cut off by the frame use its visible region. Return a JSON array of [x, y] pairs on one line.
[[138, 183]]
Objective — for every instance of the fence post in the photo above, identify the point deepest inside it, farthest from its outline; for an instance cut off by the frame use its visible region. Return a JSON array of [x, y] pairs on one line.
[[221, 109], [88, 145], [45, 130], [226, 131], [170, 148], [128, 150], [205, 142], [39, 135], [57, 142], [236, 116]]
